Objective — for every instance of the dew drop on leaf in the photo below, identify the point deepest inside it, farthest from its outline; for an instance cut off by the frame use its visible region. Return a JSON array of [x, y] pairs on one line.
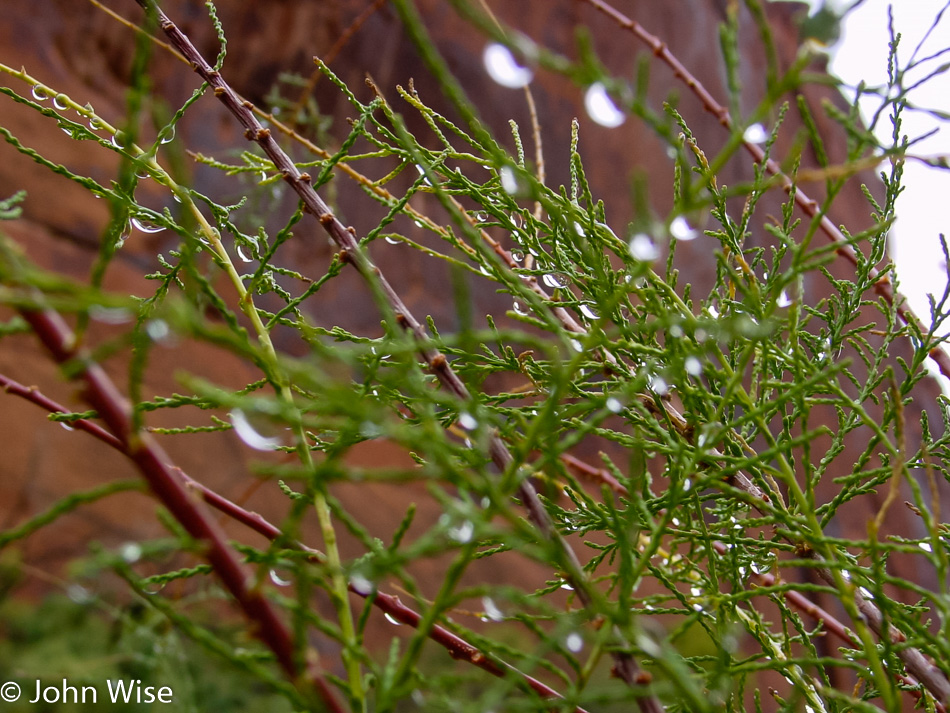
[[589, 311], [693, 366], [642, 248], [492, 612], [509, 181], [361, 585], [40, 93], [157, 330], [682, 230], [502, 66], [247, 433], [240, 253], [574, 642], [277, 579], [658, 385], [754, 134], [463, 533], [59, 102], [146, 226], [601, 108], [131, 552], [169, 136]]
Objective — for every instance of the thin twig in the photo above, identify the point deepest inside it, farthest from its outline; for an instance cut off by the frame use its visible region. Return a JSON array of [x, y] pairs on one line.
[[458, 648], [151, 461]]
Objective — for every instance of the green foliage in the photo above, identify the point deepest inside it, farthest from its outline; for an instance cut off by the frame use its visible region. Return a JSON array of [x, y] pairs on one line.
[[718, 429]]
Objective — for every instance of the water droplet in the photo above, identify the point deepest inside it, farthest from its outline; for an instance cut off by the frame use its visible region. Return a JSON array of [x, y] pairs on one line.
[[40, 93], [502, 66], [642, 248], [131, 552], [676, 331], [754, 134], [110, 315], [866, 593], [579, 229], [157, 330], [567, 587], [577, 346], [422, 172], [713, 312], [277, 578], [146, 226], [517, 255], [153, 587], [658, 385], [601, 108], [392, 620], [118, 140], [491, 609], [66, 130], [79, 594], [783, 300], [361, 585], [614, 405], [509, 180], [519, 308], [391, 240], [682, 230], [247, 433], [240, 253], [59, 102], [66, 426], [588, 311], [555, 280], [760, 567], [463, 533], [467, 421], [169, 135], [574, 642], [693, 366], [925, 546]]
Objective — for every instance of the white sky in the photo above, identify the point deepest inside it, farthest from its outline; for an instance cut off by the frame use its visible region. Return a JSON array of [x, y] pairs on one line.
[[924, 207]]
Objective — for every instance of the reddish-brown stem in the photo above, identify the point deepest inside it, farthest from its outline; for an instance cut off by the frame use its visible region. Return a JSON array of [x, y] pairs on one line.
[[457, 647], [882, 283], [626, 667], [151, 461]]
